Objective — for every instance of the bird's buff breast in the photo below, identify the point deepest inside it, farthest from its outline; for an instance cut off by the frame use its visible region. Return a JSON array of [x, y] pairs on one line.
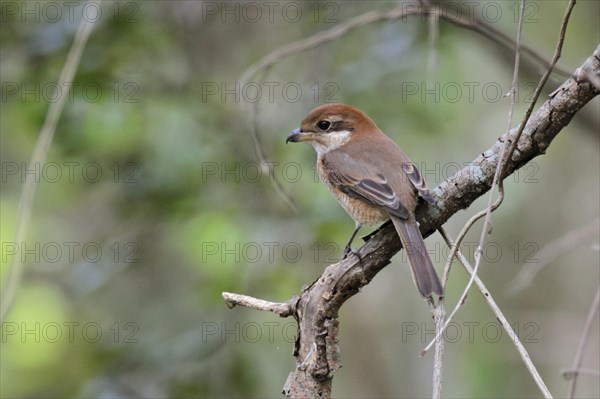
[[360, 211]]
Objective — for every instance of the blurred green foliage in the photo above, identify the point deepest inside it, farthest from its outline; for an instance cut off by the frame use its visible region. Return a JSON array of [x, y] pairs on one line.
[[152, 201]]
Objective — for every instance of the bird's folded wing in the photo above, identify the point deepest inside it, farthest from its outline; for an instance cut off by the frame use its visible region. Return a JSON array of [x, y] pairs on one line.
[[359, 181], [415, 177]]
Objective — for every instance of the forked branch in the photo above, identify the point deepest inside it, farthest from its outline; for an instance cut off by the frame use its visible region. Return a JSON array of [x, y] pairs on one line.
[[316, 348]]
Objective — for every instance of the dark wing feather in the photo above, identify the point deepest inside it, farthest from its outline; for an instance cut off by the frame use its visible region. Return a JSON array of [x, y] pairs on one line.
[[374, 190], [415, 177]]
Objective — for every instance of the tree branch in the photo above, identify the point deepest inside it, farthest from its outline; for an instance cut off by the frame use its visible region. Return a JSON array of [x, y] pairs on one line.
[[574, 372], [40, 152], [282, 309], [316, 348]]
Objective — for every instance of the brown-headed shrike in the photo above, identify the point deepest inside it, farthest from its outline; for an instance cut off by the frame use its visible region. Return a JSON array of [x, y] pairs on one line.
[[372, 178]]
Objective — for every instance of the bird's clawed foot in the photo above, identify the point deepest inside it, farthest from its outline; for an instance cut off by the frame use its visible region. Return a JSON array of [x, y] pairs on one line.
[[348, 251]]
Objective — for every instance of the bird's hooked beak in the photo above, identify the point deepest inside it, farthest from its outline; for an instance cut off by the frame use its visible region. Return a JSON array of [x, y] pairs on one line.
[[297, 136]]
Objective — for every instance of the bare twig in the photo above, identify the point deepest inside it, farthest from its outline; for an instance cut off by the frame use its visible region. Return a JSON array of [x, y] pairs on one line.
[[284, 309], [264, 164], [439, 316], [325, 36], [434, 36], [393, 14], [491, 206], [568, 374], [500, 317], [438, 312], [453, 252], [582, 342], [39, 155], [550, 252], [501, 167], [498, 37], [540, 86]]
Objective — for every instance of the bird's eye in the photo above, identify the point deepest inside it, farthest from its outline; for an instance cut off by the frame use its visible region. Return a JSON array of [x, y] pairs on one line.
[[324, 125]]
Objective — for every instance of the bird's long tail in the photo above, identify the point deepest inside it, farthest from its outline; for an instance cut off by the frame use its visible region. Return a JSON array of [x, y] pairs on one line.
[[423, 273]]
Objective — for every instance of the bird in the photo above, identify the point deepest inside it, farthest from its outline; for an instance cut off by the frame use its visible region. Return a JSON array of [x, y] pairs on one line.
[[372, 179]]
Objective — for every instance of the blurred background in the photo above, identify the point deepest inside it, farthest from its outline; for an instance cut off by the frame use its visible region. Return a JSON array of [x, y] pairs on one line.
[[152, 200]]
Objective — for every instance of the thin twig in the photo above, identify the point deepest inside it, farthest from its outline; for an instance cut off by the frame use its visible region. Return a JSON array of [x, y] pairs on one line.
[[503, 160], [434, 36], [491, 206], [283, 309], [325, 36], [568, 374], [500, 317], [264, 164], [453, 252], [462, 235], [582, 342], [393, 14], [437, 311], [550, 252], [498, 37], [541, 84], [439, 316], [487, 226], [40, 153], [448, 265]]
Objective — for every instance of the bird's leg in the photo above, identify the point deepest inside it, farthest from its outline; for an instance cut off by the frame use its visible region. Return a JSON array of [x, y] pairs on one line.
[[371, 234], [348, 248]]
